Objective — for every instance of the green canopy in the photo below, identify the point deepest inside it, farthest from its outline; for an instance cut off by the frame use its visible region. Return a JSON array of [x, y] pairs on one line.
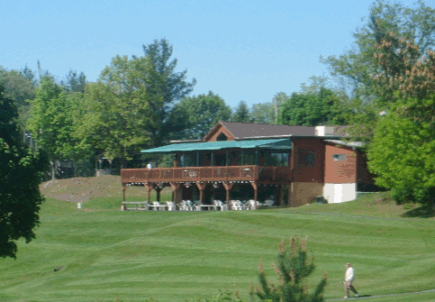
[[280, 144]]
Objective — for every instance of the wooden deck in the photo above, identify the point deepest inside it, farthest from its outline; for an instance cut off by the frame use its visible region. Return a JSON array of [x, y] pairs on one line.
[[259, 174]]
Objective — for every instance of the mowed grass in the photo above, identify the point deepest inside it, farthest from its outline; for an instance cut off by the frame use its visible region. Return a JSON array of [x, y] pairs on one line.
[[134, 256]]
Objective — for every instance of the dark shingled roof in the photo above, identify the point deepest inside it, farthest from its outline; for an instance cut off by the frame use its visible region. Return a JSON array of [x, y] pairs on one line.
[[251, 130]]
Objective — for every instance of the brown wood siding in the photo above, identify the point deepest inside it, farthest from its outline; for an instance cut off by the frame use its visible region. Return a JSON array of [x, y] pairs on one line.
[[308, 173], [342, 171]]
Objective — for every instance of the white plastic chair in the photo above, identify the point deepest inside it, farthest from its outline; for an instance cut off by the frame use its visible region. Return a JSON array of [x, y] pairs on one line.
[[252, 204], [269, 203], [236, 205], [159, 207], [171, 206]]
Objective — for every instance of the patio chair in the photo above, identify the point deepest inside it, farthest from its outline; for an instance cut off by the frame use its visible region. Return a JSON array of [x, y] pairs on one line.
[[269, 203], [159, 207], [183, 206], [252, 204], [195, 206], [171, 206], [220, 205], [189, 205], [245, 205], [236, 205]]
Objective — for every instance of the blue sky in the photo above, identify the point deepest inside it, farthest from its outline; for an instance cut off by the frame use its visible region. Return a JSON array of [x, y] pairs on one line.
[[241, 50]]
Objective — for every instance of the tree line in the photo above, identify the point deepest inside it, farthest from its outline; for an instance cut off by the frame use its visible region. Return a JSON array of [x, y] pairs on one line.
[[383, 87]]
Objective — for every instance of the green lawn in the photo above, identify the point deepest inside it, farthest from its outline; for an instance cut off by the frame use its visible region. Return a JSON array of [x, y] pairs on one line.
[[170, 256]]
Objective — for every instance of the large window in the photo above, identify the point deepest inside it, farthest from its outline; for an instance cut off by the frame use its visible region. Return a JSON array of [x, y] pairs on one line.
[[246, 158], [188, 159], [276, 158]]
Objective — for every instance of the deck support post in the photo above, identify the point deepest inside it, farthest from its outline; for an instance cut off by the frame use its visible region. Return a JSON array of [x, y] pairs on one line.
[[124, 188], [255, 187], [175, 187], [158, 189], [278, 195], [228, 186], [201, 187], [149, 187]]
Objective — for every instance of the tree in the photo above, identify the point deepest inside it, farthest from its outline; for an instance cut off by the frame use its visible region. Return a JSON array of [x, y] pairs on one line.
[[401, 153], [19, 86], [379, 55], [293, 268], [241, 113], [312, 109], [278, 100], [54, 116], [165, 86], [20, 173], [74, 82], [201, 113], [116, 109], [263, 113]]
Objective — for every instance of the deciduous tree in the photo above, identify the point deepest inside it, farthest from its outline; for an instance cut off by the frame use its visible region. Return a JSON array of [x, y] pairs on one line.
[[20, 174], [201, 113]]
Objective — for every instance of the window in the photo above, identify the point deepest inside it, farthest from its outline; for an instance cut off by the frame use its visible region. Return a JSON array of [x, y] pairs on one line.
[[221, 137], [276, 158], [246, 158], [339, 157], [306, 158]]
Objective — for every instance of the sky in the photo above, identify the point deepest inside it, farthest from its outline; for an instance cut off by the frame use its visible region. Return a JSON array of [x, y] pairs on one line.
[[241, 50]]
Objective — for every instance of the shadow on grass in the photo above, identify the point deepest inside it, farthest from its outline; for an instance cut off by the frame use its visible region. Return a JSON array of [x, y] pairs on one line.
[[423, 211]]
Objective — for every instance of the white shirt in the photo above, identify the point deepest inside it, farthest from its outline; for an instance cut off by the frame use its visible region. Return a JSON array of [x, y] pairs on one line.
[[349, 274], [149, 166]]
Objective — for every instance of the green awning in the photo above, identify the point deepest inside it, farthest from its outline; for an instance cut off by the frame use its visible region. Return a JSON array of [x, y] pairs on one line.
[[277, 144]]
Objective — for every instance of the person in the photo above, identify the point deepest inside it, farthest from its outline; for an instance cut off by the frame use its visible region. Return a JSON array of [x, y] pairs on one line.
[[149, 166], [348, 279]]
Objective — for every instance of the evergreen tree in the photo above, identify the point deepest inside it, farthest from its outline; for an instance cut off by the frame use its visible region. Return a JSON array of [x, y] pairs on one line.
[[241, 113], [293, 268]]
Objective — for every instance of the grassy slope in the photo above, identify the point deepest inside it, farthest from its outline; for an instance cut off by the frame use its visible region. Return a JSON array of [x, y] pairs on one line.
[[174, 256]]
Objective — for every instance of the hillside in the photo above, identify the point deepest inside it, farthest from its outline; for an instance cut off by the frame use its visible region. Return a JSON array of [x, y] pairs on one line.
[[102, 254], [83, 189]]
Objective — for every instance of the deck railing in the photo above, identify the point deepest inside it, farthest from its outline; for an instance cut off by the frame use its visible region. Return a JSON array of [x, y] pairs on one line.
[[221, 173]]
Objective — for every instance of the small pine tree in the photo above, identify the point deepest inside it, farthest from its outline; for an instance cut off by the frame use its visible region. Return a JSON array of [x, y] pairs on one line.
[[293, 268]]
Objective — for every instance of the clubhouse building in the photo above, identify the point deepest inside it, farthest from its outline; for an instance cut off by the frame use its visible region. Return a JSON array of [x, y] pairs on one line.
[[291, 165]]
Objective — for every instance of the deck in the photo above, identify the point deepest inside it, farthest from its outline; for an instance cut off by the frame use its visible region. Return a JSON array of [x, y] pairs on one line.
[[259, 174]]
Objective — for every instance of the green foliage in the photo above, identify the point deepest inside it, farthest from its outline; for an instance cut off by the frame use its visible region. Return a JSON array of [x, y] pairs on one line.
[[279, 99], [401, 153], [263, 113], [19, 86], [54, 118], [165, 86], [312, 109], [393, 40], [201, 113], [74, 82], [117, 110], [293, 268], [241, 113], [20, 172]]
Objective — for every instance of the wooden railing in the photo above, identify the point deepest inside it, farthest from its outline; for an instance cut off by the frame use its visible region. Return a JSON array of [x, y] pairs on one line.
[[226, 173]]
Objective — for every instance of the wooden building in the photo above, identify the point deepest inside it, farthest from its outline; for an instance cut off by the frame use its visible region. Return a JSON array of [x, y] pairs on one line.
[[291, 165]]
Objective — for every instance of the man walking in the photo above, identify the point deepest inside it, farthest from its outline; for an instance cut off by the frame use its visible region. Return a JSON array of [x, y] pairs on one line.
[[348, 278]]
